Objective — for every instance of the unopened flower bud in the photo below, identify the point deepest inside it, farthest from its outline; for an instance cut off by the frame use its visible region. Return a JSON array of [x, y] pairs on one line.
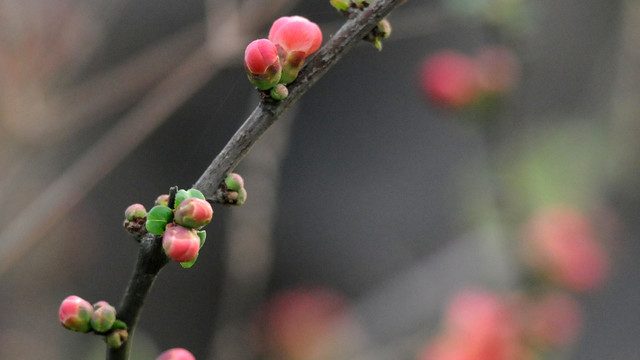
[[75, 314], [162, 200], [193, 213], [237, 197], [296, 38], [103, 317], [262, 64], [176, 354], [279, 92], [135, 212], [234, 182], [383, 29], [115, 338], [180, 244]]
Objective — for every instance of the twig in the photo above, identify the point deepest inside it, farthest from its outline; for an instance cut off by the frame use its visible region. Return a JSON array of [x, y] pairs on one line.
[[262, 117], [266, 113]]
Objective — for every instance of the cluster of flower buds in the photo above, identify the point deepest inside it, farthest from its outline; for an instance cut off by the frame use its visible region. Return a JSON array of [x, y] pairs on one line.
[[235, 193], [180, 225], [379, 33], [176, 354], [135, 217], [275, 62], [454, 80], [77, 314]]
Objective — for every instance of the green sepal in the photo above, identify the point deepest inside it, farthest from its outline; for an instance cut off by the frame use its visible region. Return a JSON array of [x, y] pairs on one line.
[[158, 218], [119, 325], [181, 196], [339, 5], [188, 264], [378, 44], [203, 236], [196, 194]]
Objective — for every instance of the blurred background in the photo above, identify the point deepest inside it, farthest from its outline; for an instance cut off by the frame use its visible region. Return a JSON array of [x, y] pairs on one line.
[[479, 168]]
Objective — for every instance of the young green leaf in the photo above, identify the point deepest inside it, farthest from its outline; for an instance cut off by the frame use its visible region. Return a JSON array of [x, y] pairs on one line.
[[158, 218]]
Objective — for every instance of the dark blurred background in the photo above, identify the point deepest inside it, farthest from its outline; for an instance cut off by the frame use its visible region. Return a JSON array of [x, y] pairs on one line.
[[367, 193]]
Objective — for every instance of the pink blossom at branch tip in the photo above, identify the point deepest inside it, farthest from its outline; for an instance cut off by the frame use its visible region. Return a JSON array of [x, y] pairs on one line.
[[450, 79], [180, 244], [193, 213], [296, 34], [75, 314], [561, 244], [176, 354]]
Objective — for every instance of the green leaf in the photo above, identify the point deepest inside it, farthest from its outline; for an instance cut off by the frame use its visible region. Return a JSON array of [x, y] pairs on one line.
[[202, 235], [339, 5], [181, 196], [196, 194], [119, 324], [158, 218], [378, 44], [188, 264]]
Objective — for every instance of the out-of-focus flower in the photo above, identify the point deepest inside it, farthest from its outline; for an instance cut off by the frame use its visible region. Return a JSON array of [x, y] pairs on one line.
[[499, 69], [454, 80], [554, 320], [484, 324], [450, 79], [176, 354], [303, 324], [561, 244], [75, 314]]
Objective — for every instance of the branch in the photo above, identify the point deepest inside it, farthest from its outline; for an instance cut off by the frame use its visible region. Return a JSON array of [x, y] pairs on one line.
[[266, 113], [151, 257]]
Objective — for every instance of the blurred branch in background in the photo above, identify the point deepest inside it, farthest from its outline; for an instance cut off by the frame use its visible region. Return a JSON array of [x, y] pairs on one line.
[[223, 47]]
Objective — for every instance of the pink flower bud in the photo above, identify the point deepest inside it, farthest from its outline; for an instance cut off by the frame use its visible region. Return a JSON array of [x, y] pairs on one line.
[[450, 79], [134, 212], [296, 38], [234, 182], [176, 354], [103, 317], [193, 213], [561, 244], [162, 200], [180, 244], [75, 314], [296, 34], [262, 64]]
